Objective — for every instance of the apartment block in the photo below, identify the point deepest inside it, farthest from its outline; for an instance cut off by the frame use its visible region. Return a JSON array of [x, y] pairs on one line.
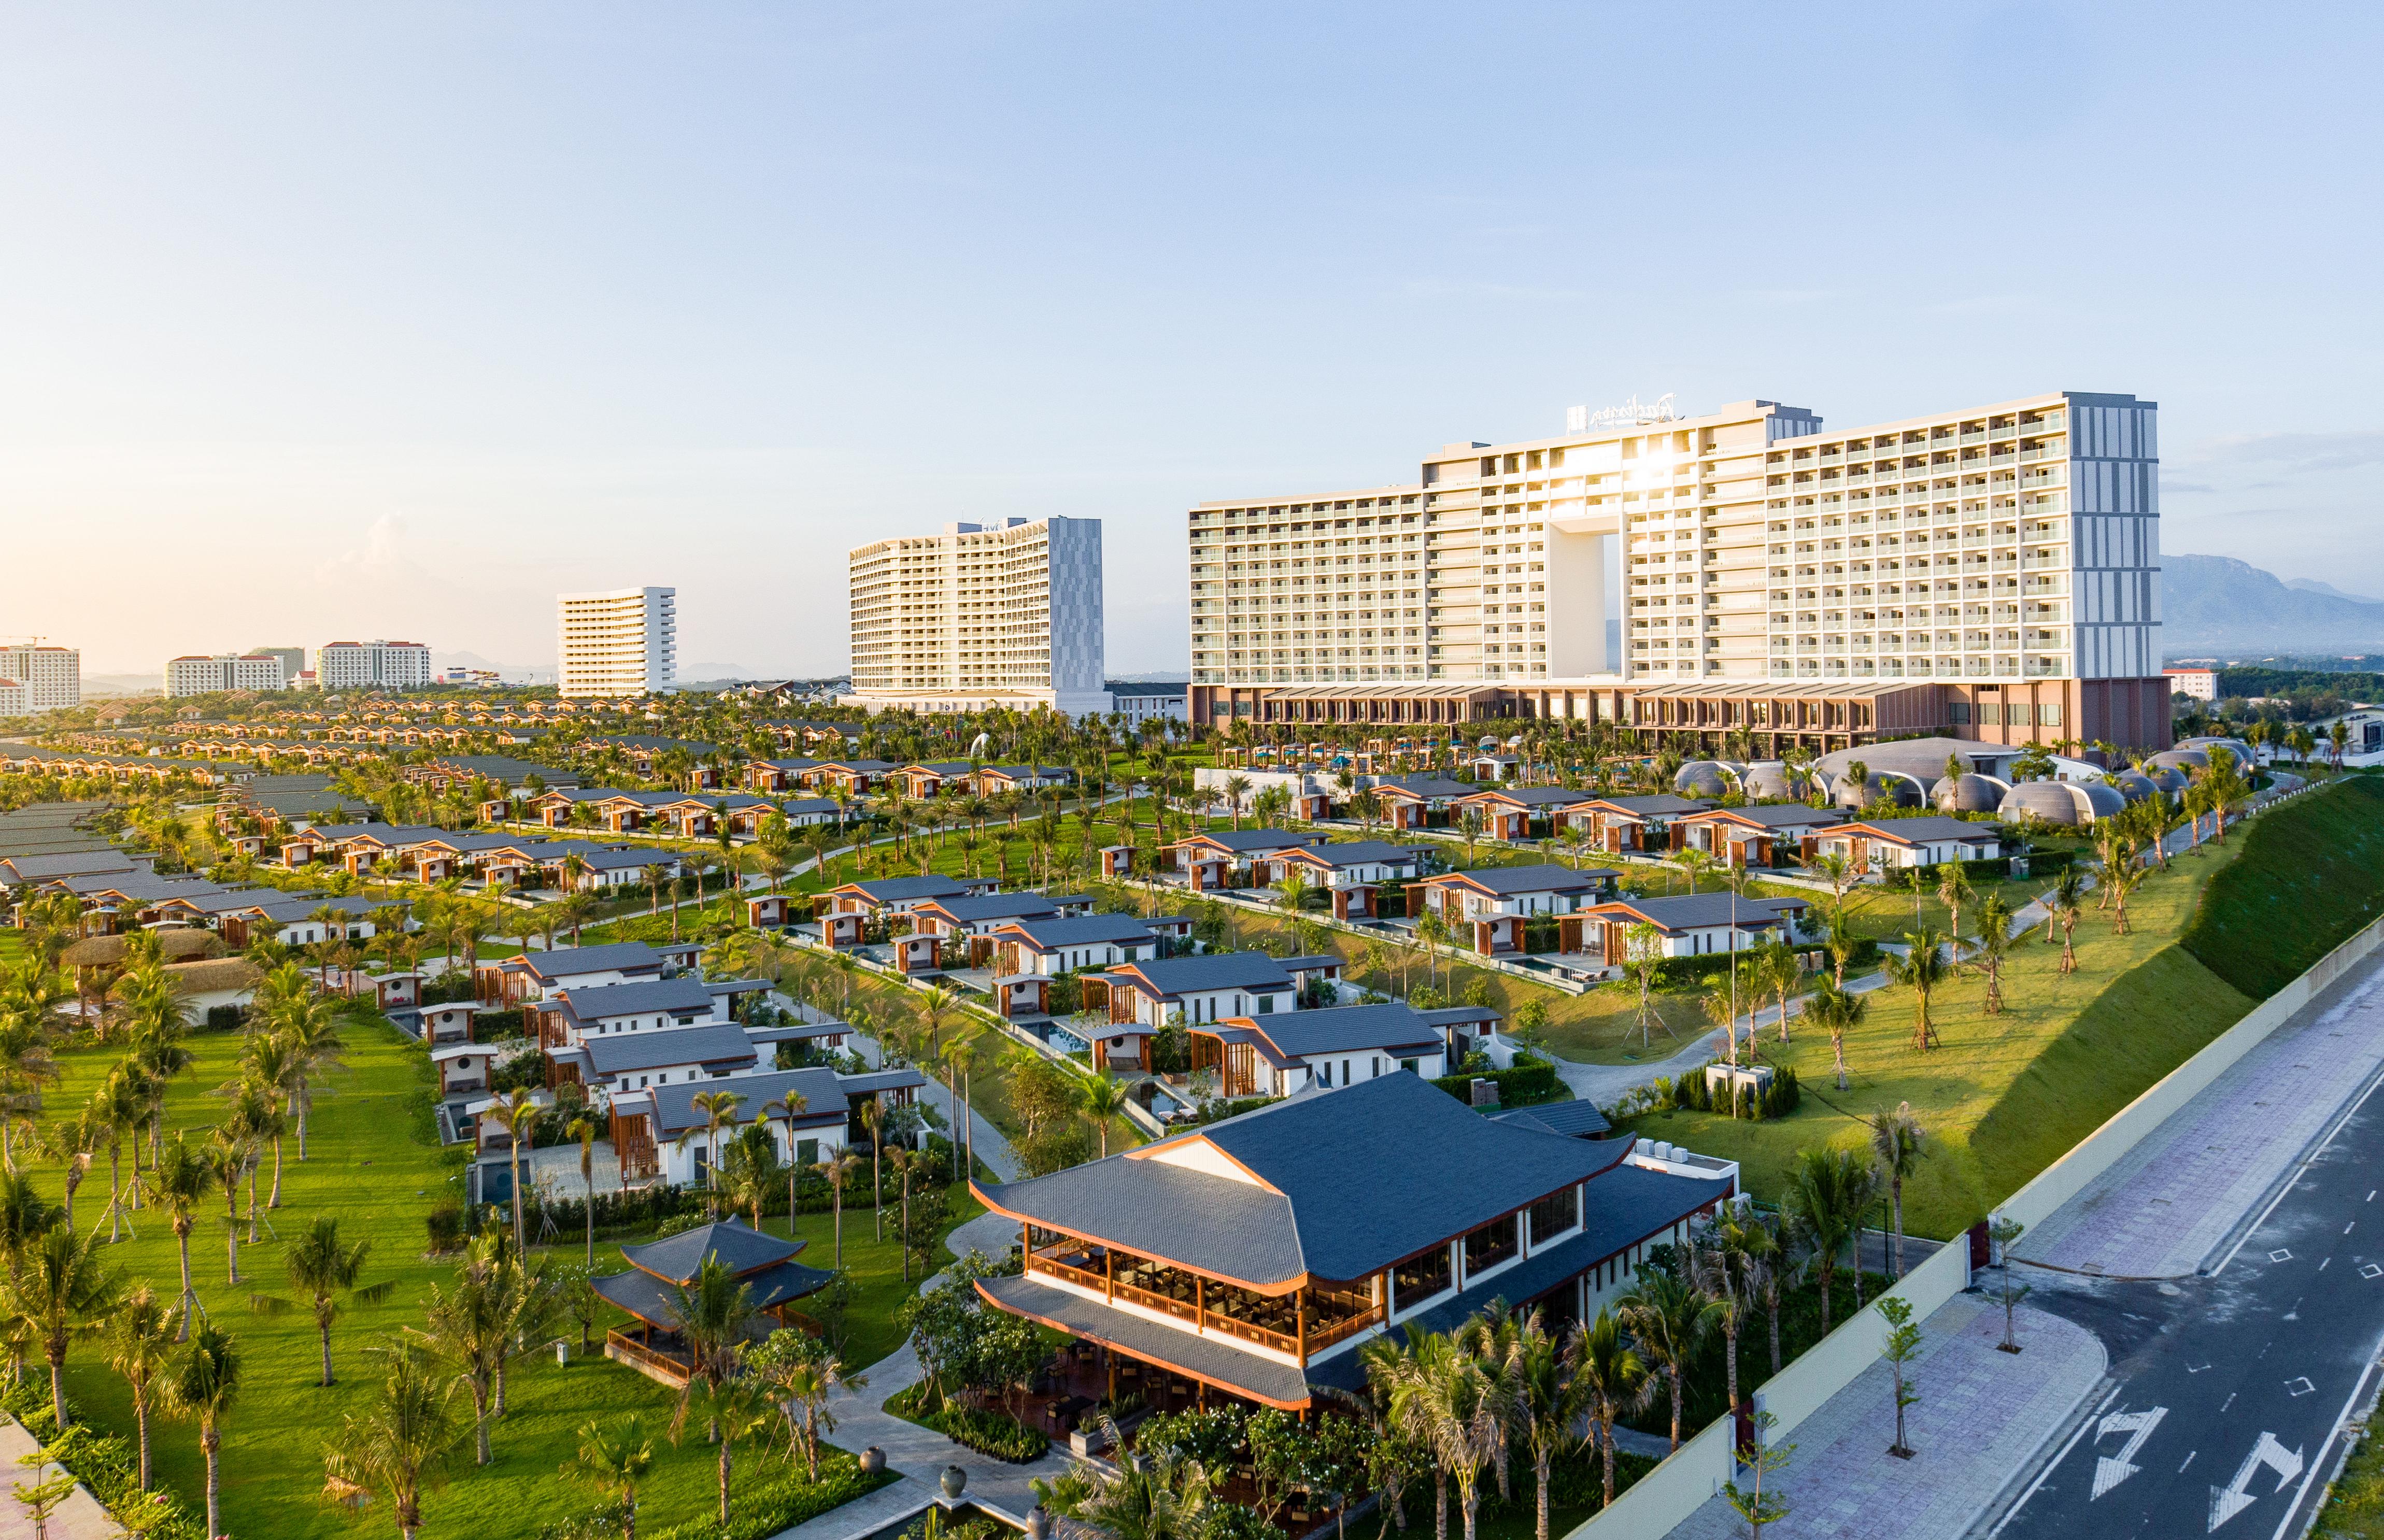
[[979, 616], [372, 665], [1991, 573], [195, 675], [619, 641], [52, 676]]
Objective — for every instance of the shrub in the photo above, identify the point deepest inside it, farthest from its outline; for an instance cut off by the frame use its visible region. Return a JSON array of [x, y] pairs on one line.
[[446, 1223], [106, 1463], [1531, 1080], [224, 1018], [990, 1432]]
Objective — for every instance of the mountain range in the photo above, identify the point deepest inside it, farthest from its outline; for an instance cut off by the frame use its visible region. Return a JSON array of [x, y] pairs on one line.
[[2218, 606]]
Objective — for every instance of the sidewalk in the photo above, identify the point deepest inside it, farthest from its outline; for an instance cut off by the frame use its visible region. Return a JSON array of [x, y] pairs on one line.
[[2177, 1197], [78, 1517], [1982, 1413], [992, 1146]]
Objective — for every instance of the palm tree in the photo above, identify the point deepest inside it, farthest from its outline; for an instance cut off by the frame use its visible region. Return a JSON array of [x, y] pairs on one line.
[[517, 1112], [202, 1387], [734, 1409], [1402, 1375], [64, 1292], [310, 1028], [180, 1179], [585, 1128], [1671, 1319], [468, 1324], [2062, 907], [1837, 1013], [838, 1172], [614, 1458], [1897, 1142], [1105, 1098], [719, 1109], [139, 1345], [873, 1118], [1921, 969], [1953, 887], [1551, 1400], [400, 1445], [1614, 1383], [1827, 1191], [1471, 1401], [322, 1269], [1992, 947], [1778, 970], [712, 1313]]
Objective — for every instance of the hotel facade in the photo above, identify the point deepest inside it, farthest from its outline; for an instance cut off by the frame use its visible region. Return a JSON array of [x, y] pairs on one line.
[[1989, 574], [981, 616], [52, 676], [617, 641]]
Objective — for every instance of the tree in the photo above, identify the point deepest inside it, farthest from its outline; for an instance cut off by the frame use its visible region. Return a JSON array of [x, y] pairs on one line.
[[1827, 1191], [400, 1445], [467, 1322], [1902, 1347], [65, 1293], [2063, 906], [1921, 969], [1671, 1319], [517, 1112], [139, 1343], [615, 1458], [1643, 951], [1105, 1098], [838, 1172], [1953, 887], [873, 1118], [1778, 969], [322, 1269], [1992, 947], [201, 1388], [2004, 1232], [1759, 1458], [1897, 1143], [1614, 1383], [803, 1373], [1551, 1400]]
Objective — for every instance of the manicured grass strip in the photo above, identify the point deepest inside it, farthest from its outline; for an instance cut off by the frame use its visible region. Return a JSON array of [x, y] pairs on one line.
[[2311, 874]]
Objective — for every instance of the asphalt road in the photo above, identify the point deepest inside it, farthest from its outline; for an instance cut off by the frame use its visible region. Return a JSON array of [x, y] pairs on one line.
[[2231, 1388]]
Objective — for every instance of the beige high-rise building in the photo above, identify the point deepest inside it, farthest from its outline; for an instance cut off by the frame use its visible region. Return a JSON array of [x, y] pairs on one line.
[[52, 676], [617, 641], [981, 616], [1989, 573]]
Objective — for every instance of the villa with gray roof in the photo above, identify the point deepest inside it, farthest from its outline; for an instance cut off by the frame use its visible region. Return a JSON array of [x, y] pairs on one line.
[[1209, 988], [1693, 925], [1255, 1256], [1875, 849], [1492, 907], [1287, 1053]]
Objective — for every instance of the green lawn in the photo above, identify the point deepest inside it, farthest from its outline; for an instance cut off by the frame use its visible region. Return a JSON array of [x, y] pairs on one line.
[[2354, 1501], [367, 1170], [2004, 1095], [2311, 873]]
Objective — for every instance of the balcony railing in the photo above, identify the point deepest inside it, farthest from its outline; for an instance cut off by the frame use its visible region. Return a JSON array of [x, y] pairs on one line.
[[1195, 1310]]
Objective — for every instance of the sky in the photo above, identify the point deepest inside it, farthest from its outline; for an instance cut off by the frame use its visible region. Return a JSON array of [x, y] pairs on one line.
[[322, 322]]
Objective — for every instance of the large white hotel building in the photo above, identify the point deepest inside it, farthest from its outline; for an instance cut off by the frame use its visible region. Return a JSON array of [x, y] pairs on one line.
[[616, 641], [1991, 573], [981, 616]]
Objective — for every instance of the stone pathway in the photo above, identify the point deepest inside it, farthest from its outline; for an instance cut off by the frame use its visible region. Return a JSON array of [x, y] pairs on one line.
[[79, 1518], [1982, 1413], [2165, 1208]]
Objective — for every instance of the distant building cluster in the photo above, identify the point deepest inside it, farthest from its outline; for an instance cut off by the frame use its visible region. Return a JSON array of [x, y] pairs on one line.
[[338, 666], [36, 678]]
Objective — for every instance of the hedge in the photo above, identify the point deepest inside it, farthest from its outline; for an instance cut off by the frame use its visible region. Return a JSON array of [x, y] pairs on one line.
[[989, 1432], [756, 1510], [1531, 1080]]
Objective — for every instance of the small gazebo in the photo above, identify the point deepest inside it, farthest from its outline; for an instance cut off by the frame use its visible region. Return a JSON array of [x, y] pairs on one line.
[[649, 1291]]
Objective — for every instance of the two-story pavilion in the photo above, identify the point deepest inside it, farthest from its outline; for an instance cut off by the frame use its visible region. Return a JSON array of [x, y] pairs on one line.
[[1254, 1256], [1286, 1053], [1208, 987], [1349, 872], [661, 1271], [1491, 906], [845, 910], [1224, 858], [1418, 801], [1767, 835], [1515, 812], [542, 975], [1057, 945], [1618, 824]]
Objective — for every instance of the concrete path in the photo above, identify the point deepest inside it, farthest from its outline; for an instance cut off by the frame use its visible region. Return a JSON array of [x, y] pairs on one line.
[[78, 1517], [992, 1146], [1982, 1413]]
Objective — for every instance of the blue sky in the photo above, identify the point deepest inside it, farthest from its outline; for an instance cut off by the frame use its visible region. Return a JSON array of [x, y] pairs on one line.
[[330, 321]]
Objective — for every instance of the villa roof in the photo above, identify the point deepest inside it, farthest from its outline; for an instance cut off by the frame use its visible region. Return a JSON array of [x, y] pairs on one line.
[[1214, 970], [1915, 831], [1506, 881], [1433, 1170], [661, 996], [612, 957], [1297, 1034], [1530, 796], [1355, 852], [822, 1090], [968, 909], [1679, 912], [712, 1043], [1771, 815], [1078, 930], [904, 889], [1656, 805], [731, 1242], [1244, 841]]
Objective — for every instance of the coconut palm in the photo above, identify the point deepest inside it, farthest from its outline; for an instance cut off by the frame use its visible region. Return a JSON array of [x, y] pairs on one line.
[[584, 1127], [1778, 969], [838, 1171], [1921, 969], [179, 1180], [1898, 1143], [400, 1445], [65, 1293], [322, 1269], [2062, 907], [711, 1311], [1105, 1098], [1614, 1380], [1953, 887], [1672, 1321], [468, 1322], [1550, 1401], [310, 1030], [517, 1112], [719, 1109], [1992, 946], [873, 1118], [200, 1387], [1827, 1192], [140, 1344], [734, 1409], [615, 1458]]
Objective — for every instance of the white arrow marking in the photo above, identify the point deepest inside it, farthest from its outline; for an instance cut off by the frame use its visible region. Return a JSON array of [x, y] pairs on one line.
[[2236, 1496], [2111, 1470]]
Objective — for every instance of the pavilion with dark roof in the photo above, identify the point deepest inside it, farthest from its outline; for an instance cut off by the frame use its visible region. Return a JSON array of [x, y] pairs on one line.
[[659, 1270]]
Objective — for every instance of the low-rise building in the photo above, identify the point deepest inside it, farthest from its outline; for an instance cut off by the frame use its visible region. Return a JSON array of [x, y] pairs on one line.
[[1693, 925], [1283, 1054], [1890, 843]]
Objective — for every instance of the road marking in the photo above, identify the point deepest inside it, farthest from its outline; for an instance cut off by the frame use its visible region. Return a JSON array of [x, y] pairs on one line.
[[2321, 1266], [2229, 1402], [2280, 1256], [2111, 1470], [2236, 1496], [2301, 1386], [2189, 1459], [2084, 1426], [2195, 1368], [2361, 1100], [2371, 1270]]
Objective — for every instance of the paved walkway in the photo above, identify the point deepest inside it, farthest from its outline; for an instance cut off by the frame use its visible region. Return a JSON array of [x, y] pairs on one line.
[[79, 1518], [1982, 1413], [992, 1146], [2177, 1198]]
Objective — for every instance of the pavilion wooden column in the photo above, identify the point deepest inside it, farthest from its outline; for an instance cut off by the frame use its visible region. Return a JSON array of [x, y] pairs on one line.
[[1300, 1306]]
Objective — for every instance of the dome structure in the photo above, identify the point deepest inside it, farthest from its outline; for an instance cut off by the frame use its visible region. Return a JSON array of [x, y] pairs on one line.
[[2134, 785], [2167, 777], [2067, 804], [2184, 761], [1771, 780], [1888, 785], [2244, 758], [1705, 777], [1967, 794]]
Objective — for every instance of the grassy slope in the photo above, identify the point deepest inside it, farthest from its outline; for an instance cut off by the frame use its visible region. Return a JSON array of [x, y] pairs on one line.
[[2310, 874], [365, 1169], [2005, 1094]]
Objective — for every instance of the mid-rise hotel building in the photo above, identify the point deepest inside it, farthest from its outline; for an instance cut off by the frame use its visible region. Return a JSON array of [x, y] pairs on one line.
[[1991, 573], [193, 674], [618, 642], [981, 616], [372, 665], [52, 676]]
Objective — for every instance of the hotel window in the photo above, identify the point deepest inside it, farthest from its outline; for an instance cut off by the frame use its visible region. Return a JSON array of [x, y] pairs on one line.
[[1556, 1213], [1418, 1278], [1491, 1243]]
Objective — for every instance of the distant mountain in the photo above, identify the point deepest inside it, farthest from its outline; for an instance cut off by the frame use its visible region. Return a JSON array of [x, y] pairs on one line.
[[2311, 585], [2219, 606]]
